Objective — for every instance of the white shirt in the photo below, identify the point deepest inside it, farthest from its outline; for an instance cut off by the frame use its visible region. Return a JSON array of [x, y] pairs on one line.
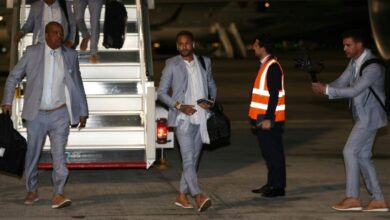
[[359, 62], [195, 86], [194, 92], [53, 94], [51, 12]]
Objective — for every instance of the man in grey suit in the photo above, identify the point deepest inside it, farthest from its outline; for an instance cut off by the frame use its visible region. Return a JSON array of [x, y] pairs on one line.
[[45, 11], [54, 98], [190, 79], [368, 115]]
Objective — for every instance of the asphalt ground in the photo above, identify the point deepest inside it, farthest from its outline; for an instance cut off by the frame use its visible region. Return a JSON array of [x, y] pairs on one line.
[[316, 130]]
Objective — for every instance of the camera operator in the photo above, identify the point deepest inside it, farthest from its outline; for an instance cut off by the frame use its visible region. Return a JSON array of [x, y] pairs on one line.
[[368, 115]]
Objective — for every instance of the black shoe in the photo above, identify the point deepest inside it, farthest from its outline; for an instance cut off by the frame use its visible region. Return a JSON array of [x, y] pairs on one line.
[[261, 189], [273, 192]]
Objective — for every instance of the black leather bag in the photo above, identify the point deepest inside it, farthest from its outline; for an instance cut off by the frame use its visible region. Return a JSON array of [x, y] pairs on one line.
[[115, 23], [13, 147], [218, 127]]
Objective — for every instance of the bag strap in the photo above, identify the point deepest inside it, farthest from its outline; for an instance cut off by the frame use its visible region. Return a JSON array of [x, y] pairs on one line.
[[369, 62], [377, 97], [364, 65], [202, 63]]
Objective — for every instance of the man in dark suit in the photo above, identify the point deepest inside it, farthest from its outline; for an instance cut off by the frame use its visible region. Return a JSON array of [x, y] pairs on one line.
[[54, 98], [267, 115], [368, 115]]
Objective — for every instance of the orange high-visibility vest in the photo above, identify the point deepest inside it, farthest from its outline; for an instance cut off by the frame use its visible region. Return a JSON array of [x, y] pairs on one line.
[[260, 94]]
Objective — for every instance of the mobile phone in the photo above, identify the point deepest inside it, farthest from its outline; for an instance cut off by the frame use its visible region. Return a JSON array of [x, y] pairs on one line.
[[207, 101]]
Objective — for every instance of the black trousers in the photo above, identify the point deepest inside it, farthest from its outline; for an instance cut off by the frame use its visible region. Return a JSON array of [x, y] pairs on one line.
[[271, 146]]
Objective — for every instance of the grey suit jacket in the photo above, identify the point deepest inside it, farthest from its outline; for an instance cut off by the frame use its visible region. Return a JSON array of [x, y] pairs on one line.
[[32, 66], [34, 21], [369, 113], [175, 77]]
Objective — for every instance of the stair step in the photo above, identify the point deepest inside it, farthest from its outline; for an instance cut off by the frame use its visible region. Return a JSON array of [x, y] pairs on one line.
[[130, 44], [111, 103], [115, 103], [131, 27], [112, 57], [110, 72], [101, 155], [108, 121], [103, 138], [113, 88]]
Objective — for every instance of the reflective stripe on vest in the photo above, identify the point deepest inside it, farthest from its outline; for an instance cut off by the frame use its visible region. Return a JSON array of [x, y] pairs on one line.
[[260, 94], [264, 106]]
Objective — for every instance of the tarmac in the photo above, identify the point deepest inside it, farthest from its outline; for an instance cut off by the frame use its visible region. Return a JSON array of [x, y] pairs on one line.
[[315, 133]]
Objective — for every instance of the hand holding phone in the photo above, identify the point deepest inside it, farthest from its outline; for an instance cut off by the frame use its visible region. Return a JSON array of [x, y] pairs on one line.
[[206, 101]]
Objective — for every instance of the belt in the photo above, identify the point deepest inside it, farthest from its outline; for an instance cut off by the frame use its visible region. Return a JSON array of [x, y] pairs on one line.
[[54, 109]]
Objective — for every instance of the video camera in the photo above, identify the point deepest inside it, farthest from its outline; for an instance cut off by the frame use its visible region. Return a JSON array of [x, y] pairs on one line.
[[311, 67]]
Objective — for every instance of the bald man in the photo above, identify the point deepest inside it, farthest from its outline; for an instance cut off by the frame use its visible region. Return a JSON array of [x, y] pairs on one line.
[[54, 99]]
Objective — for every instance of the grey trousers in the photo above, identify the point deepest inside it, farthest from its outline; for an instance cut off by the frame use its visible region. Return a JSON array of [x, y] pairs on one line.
[[56, 125], [188, 136], [95, 7], [357, 158]]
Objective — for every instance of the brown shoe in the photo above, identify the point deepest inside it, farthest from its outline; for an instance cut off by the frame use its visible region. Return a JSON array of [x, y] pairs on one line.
[[60, 201], [349, 204], [31, 197], [84, 43], [182, 201], [203, 202], [93, 58], [376, 206]]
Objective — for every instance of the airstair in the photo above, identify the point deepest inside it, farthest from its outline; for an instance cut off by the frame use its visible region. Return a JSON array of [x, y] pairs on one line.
[[121, 129]]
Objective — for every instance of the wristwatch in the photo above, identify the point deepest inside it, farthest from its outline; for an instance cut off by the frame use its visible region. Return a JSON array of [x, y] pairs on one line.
[[178, 105]]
